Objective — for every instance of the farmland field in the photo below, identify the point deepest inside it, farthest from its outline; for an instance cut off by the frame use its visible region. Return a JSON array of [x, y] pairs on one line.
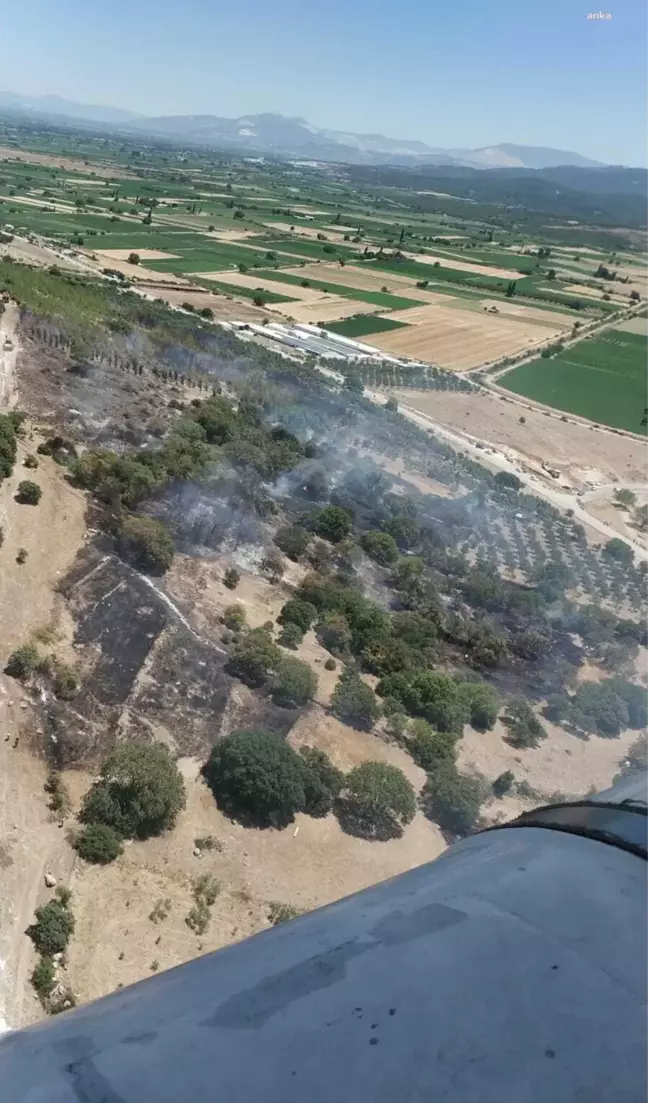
[[603, 379]]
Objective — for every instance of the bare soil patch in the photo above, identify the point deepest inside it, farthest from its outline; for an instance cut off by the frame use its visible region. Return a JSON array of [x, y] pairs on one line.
[[549, 318], [571, 446], [562, 763], [461, 265], [51, 532], [329, 308], [634, 325], [136, 272], [223, 306], [306, 865], [143, 254]]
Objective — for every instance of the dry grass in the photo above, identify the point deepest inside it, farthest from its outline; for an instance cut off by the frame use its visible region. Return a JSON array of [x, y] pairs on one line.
[[143, 254], [459, 339]]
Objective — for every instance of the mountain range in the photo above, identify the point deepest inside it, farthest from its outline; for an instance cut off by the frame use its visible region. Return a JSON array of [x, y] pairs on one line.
[[286, 137]]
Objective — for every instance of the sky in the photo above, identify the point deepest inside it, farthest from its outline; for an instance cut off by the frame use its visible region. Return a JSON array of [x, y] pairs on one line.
[[457, 73]]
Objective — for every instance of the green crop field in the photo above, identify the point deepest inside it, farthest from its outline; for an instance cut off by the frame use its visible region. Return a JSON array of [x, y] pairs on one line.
[[364, 324], [603, 379]]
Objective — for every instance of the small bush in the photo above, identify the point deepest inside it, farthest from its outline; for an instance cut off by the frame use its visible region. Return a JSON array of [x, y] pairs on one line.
[[22, 662], [282, 913], [353, 701], [503, 783], [44, 977], [233, 617], [22, 556], [98, 843], [330, 664], [206, 889], [198, 918], [231, 578], [31, 462], [160, 910], [28, 493], [294, 683]]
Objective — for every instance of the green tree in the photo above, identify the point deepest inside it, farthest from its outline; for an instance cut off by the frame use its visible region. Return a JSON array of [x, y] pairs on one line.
[[332, 523], [525, 730], [427, 693], [133, 258], [291, 636], [429, 747], [503, 783], [353, 701], [98, 843], [619, 551], [231, 578], [254, 657], [28, 493], [53, 927], [381, 547], [334, 633], [139, 793], [257, 778], [452, 799], [323, 781], [294, 683], [299, 612], [625, 498], [145, 542], [293, 541], [378, 801], [482, 702]]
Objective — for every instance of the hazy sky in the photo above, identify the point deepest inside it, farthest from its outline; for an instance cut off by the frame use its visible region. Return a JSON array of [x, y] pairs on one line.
[[452, 73]]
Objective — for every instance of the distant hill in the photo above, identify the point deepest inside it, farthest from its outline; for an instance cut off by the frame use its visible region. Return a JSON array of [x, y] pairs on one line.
[[56, 106], [289, 137]]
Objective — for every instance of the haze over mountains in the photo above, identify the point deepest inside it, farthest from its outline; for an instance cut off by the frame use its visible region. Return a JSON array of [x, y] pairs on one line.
[[293, 137]]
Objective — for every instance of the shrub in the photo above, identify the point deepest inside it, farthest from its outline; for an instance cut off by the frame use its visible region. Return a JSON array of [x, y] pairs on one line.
[[427, 693], [233, 617], [256, 777], [98, 843], [21, 556], [145, 542], [198, 918], [353, 701], [139, 793], [31, 462], [133, 258], [66, 682], [22, 662], [53, 928], [329, 664], [231, 578], [272, 565], [507, 480], [294, 683], [452, 799], [28, 493], [503, 783], [525, 730], [323, 781], [206, 889], [282, 913], [292, 540], [378, 802], [43, 977], [619, 551], [291, 636]]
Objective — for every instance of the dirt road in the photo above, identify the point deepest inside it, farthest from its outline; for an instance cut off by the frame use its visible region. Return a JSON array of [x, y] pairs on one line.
[[8, 354]]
